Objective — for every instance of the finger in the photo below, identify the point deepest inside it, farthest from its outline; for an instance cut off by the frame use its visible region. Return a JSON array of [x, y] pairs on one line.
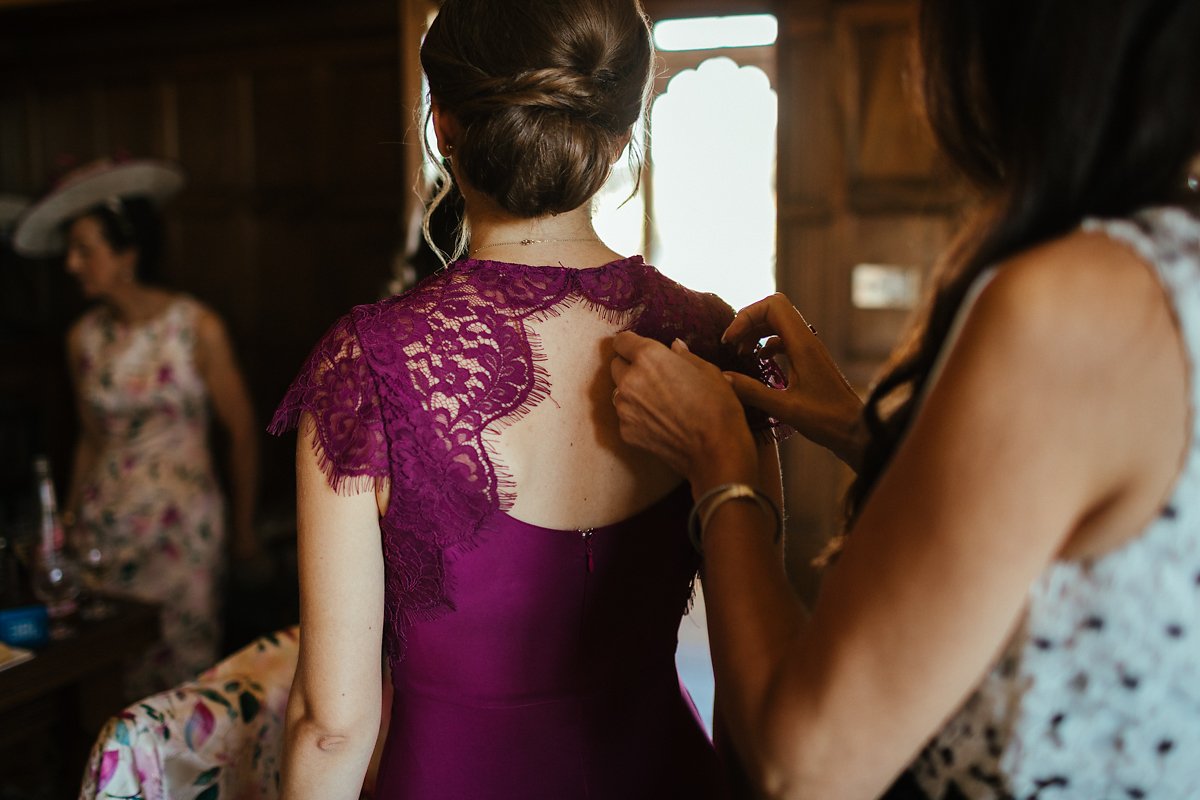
[[753, 393], [679, 347], [749, 320], [771, 316], [618, 368], [772, 347], [628, 345]]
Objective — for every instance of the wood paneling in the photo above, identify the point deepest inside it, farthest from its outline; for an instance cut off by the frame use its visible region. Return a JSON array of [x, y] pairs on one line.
[[132, 119], [858, 182]]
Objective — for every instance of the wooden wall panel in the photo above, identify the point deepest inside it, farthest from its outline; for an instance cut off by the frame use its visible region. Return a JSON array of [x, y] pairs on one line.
[[206, 250], [859, 182], [211, 130], [286, 127], [908, 241], [889, 143], [368, 125], [890, 156], [132, 119], [810, 135], [63, 124], [14, 135]]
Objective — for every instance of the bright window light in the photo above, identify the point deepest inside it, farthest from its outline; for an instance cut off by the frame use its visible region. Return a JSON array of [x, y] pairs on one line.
[[710, 33]]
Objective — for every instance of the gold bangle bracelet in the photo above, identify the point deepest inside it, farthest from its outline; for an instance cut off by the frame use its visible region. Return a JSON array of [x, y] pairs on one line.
[[714, 498]]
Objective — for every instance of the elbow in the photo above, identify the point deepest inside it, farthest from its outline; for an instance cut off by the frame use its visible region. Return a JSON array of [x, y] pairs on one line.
[[796, 761], [789, 756], [782, 768], [787, 773], [309, 735], [348, 733]]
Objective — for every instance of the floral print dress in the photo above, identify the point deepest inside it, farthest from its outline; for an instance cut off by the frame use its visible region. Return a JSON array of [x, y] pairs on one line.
[[152, 497]]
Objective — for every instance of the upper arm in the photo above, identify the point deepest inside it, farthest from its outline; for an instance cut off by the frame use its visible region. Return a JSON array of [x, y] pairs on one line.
[[1043, 414], [89, 434], [219, 369], [341, 572]]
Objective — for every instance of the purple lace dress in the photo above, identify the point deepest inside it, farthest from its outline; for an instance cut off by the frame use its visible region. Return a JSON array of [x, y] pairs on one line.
[[527, 662]]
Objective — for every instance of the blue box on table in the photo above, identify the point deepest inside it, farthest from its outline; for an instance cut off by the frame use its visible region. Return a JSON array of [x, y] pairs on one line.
[[24, 626]]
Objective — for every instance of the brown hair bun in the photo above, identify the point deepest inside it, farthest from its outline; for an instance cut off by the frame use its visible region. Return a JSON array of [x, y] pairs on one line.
[[544, 91]]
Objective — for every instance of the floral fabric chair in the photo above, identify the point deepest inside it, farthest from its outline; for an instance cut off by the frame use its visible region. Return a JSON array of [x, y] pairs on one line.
[[218, 737]]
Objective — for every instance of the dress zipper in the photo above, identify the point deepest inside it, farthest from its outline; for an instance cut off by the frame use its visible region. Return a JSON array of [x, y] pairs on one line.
[[587, 547]]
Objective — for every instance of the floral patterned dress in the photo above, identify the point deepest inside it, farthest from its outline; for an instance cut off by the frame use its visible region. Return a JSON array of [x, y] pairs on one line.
[[152, 497]]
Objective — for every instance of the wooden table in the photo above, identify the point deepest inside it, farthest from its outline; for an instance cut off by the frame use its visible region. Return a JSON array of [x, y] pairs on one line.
[[52, 707]]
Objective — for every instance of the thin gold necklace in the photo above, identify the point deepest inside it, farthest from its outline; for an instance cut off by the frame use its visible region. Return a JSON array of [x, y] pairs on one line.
[[527, 242]]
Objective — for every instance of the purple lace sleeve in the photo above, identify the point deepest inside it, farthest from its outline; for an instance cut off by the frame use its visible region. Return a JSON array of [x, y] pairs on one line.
[[337, 389]]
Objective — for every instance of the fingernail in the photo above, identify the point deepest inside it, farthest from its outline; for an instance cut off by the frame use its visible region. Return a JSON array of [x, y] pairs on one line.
[[727, 376], [680, 343]]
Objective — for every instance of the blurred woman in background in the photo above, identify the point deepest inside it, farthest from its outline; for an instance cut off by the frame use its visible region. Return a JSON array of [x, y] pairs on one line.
[[149, 366]]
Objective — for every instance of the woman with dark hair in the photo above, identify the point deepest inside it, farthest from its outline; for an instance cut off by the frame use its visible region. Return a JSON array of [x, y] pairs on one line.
[[465, 503], [148, 365], [1013, 609]]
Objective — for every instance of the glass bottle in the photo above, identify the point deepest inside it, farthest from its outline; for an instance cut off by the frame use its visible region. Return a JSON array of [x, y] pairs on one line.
[[55, 578]]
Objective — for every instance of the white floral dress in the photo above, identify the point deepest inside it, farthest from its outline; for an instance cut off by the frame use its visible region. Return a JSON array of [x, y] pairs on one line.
[[152, 496]]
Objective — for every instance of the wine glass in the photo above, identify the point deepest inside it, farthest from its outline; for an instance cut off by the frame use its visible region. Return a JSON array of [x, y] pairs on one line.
[[95, 564], [56, 584]]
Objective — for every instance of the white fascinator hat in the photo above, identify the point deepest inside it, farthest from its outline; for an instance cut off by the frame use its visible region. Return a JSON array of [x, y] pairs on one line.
[[39, 230]]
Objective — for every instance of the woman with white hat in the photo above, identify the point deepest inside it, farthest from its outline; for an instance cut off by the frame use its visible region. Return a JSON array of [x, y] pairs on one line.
[[148, 364]]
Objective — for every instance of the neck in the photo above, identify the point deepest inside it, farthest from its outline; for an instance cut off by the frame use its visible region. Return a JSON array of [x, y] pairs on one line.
[[489, 229], [497, 235], [135, 302]]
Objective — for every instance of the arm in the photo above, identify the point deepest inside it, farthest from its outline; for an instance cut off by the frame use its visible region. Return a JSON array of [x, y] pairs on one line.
[[740, 785], [231, 402], [333, 711], [87, 449], [1002, 470]]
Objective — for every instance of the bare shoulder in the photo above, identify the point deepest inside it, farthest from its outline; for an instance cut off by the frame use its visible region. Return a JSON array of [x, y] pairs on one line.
[[1072, 350], [206, 318], [1080, 299], [211, 332], [76, 333]]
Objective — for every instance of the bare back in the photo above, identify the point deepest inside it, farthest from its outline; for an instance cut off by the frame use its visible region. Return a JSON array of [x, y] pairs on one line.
[[569, 466]]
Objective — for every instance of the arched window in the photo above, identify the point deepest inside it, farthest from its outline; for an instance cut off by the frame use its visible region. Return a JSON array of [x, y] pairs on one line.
[[705, 213]]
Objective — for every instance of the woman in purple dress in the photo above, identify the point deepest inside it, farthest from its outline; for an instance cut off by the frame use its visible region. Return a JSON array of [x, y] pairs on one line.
[[466, 505]]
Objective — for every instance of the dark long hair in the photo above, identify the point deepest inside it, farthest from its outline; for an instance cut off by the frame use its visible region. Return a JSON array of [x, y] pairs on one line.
[[1054, 112]]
